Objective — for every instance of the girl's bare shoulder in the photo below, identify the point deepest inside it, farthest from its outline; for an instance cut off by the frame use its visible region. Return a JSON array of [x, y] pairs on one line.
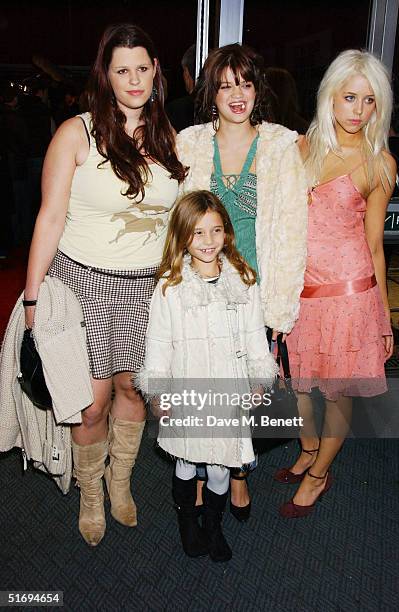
[[303, 146]]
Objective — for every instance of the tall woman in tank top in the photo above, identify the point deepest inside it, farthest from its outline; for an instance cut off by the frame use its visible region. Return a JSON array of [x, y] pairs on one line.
[[343, 336], [110, 178], [254, 167]]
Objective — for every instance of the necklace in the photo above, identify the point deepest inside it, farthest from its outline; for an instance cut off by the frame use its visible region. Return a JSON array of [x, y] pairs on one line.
[[209, 276]]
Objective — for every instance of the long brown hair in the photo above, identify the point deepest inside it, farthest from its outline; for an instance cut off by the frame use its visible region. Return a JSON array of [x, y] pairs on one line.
[[186, 213], [244, 62], [155, 137]]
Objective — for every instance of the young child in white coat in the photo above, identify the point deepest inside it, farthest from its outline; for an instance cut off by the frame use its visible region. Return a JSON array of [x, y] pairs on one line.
[[205, 330]]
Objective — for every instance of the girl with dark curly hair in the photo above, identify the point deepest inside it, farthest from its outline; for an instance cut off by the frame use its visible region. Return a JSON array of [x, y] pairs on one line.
[[255, 168]]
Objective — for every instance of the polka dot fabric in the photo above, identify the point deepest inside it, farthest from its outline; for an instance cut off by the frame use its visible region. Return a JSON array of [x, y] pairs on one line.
[[337, 343]]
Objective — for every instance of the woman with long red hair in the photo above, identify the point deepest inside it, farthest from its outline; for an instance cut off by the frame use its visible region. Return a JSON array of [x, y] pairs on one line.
[[110, 177]]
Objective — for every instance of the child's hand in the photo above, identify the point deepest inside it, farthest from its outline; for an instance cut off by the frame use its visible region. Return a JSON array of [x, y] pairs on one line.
[[258, 390], [257, 396], [157, 411]]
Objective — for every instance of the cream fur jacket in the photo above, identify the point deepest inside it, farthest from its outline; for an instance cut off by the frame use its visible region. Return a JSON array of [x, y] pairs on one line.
[[281, 223], [205, 336]]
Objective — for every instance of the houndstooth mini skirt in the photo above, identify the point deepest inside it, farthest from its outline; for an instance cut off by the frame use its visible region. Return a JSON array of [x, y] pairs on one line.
[[115, 306]]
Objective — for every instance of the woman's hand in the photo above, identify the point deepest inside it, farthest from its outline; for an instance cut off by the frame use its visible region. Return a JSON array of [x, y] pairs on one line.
[[29, 316], [388, 342], [277, 333], [388, 337]]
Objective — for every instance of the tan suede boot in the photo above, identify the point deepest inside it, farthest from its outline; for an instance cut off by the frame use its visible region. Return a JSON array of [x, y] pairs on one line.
[[124, 445], [89, 465]]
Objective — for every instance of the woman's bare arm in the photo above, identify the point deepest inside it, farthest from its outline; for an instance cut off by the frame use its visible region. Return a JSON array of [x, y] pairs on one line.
[[377, 203], [67, 150]]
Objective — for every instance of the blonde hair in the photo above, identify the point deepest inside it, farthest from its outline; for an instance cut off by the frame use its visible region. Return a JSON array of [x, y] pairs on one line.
[[321, 135], [186, 213]]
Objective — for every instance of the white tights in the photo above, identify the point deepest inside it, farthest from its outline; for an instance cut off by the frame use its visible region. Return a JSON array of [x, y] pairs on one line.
[[218, 475]]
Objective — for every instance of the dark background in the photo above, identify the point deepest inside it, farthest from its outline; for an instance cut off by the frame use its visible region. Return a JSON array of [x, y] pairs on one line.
[[302, 36], [67, 32]]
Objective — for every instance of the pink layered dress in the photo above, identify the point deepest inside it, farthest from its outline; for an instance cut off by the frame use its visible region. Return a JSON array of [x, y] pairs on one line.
[[337, 342]]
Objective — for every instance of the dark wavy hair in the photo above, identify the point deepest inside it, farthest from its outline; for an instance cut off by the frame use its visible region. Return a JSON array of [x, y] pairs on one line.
[[244, 62], [155, 137]]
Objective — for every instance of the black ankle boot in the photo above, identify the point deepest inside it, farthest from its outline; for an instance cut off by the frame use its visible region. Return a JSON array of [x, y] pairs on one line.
[[192, 536], [214, 506]]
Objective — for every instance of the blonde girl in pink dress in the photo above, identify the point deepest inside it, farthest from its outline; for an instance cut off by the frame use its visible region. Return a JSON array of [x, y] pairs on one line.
[[343, 335]]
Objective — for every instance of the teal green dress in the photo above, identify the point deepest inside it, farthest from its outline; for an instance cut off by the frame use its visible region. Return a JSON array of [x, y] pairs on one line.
[[239, 199]]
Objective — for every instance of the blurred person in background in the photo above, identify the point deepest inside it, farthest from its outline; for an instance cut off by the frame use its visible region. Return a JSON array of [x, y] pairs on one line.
[[69, 105], [14, 145], [181, 110], [7, 196], [284, 103], [38, 121]]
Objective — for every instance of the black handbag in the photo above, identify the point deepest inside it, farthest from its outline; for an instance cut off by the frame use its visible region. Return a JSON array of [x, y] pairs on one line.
[[280, 405], [31, 377]]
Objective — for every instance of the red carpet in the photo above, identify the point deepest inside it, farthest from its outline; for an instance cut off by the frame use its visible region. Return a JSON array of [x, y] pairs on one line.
[[12, 276]]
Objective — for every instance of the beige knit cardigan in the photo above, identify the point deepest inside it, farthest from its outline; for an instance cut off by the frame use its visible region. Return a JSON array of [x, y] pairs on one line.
[[61, 342], [281, 222]]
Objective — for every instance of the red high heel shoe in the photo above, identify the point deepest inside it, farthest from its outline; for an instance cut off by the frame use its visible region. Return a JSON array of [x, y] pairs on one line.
[[285, 475], [292, 510]]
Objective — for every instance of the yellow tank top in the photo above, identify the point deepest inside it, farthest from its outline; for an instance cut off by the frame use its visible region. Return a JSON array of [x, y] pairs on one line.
[[104, 228]]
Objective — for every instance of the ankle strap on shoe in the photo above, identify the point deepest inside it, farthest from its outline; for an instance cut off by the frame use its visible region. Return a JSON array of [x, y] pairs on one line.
[[318, 477], [309, 452]]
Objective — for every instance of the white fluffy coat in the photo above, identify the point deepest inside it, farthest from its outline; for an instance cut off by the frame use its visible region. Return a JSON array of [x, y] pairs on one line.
[[208, 337]]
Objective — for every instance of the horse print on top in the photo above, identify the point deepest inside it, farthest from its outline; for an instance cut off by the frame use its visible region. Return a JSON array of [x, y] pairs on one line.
[[150, 223]]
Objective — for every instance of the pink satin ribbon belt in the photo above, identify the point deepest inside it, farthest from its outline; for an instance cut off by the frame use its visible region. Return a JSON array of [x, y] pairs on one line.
[[336, 289]]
